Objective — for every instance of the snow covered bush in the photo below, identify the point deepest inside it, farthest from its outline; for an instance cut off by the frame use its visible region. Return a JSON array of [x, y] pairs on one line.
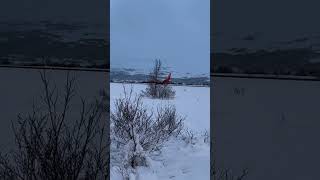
[[191, 137], [138, 131], [56, 141], [159, 91], [155, 88]]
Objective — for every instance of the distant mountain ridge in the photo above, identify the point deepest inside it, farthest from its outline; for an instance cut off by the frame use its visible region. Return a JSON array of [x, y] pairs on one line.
[[253, 54], [129, 75]]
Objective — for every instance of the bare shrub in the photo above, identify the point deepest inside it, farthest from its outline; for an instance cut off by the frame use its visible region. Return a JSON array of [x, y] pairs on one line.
[[228, 174], [223, 173], [53, 144], [206, 137], [155, 88], [139, 131], [155, 73], [105, 101], [189, 137]]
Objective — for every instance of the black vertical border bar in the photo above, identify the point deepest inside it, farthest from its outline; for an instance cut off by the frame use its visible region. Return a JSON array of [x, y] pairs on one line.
[[108, 84], [212, 138]]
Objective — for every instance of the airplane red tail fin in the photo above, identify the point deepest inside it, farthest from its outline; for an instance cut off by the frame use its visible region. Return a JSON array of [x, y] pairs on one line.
[[167, 80]]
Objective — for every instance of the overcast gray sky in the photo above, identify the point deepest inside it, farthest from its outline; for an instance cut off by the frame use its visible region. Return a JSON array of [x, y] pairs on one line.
[[177, 31]]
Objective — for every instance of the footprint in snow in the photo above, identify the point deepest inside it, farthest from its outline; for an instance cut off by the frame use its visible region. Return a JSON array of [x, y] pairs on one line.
[[185, 170]]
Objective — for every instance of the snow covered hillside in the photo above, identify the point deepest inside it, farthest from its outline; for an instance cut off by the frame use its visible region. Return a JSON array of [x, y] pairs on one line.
[[177, 160]]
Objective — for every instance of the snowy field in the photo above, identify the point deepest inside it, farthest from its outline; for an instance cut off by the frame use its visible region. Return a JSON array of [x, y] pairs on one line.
[[177, 160], [270, 127], [21, 87]]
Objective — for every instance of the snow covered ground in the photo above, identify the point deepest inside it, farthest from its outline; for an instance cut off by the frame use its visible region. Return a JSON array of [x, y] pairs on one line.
[[177, 160], [269, 126]]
